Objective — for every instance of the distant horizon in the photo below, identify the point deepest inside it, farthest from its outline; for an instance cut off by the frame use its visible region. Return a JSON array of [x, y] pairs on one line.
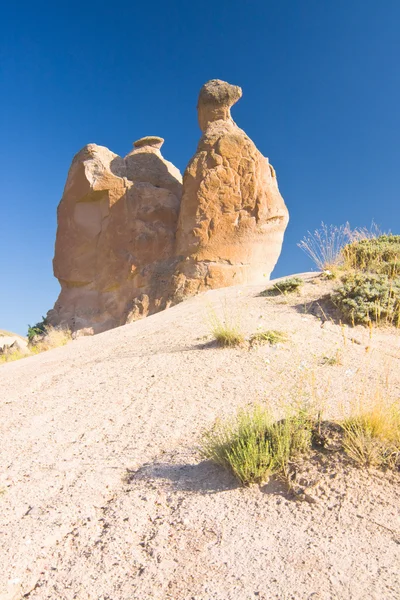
[[321, 91]]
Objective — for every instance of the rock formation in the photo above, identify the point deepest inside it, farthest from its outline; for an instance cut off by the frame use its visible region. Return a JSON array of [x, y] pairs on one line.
[[128, 246], [116, 227], [232, 216]]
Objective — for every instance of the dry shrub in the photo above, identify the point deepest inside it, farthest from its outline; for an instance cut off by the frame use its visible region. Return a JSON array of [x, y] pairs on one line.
[[53, 338], [372, 433], [325, 244]]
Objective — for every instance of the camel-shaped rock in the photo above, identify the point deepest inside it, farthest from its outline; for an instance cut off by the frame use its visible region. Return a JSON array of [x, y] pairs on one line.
[[131, 240]]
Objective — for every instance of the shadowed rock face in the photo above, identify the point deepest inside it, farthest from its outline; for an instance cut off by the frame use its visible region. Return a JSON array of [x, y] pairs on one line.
[[232, 217], [128, 246]]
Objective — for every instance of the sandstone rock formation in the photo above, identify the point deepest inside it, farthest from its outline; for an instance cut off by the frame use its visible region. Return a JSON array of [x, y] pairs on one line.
[[232, 216], [116, 228], [128, 246]]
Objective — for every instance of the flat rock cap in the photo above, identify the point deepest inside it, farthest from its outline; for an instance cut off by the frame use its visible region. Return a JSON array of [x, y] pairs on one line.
[[149, 140]]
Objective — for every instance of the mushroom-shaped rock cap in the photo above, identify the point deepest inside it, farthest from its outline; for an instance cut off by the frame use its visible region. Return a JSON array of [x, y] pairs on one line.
[[149, 140], [215, 100], [219, 93]]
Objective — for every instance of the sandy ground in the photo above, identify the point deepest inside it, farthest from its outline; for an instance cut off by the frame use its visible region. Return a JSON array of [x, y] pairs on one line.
[[103, 494]]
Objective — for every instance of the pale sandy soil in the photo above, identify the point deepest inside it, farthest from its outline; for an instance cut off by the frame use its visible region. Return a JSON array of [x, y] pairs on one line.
[[104, 496]]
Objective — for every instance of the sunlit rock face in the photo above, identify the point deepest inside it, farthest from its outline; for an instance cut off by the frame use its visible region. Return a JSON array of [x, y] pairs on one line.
[[232, 217], [116, 232], [131, 240]]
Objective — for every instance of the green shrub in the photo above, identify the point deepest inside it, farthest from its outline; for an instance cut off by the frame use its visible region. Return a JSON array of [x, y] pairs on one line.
[[268, 337], [287, 286], [253, 446], [365, 298], [38, 329], [375, 255]]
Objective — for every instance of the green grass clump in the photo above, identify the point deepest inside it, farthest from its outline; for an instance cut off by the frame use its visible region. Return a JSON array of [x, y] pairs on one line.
[[379, 255], [227, 336], [365, 298], [293, 284], [253, 446], [268, 337], [372, 436]]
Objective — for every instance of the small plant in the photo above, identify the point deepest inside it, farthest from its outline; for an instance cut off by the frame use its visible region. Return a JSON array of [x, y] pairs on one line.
[[253, 446], [38, 329], [228, 336], [334, 360], [365, 298], [329, 274], [372, 435], [225, 330], [268, 337], [325, 244], [287, 286]]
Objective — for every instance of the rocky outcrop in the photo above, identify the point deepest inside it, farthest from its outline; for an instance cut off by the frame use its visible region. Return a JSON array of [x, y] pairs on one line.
[[128, 246], [11, 343], [232, 216], [116, 228]]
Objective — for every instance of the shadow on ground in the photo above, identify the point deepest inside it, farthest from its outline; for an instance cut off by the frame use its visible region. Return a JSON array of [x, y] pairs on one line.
[[204, 477]]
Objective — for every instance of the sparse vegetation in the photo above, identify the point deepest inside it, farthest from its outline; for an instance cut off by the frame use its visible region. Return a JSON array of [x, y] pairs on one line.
[[51, 337], [287, 286], [379, 255], [372, 434], [253, 446], [325, 244], [334, 359], [330, 247], [268, 337], [365, 298], [12, 356], [226, 330], [37, 329]]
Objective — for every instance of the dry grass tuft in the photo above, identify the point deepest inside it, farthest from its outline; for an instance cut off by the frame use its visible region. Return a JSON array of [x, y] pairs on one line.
[[225, 330], [372, 434], [52, 338], [271, 336]]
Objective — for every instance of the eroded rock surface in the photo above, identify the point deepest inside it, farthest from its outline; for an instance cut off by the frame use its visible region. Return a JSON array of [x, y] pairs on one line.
[[127, 246], [116, 228], [232, 216]]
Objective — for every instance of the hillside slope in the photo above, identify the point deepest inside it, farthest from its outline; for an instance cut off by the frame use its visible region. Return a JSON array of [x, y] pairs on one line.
[[105, 497]]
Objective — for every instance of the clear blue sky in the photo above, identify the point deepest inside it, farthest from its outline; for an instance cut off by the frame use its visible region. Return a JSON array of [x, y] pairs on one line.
[[321, 99]]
